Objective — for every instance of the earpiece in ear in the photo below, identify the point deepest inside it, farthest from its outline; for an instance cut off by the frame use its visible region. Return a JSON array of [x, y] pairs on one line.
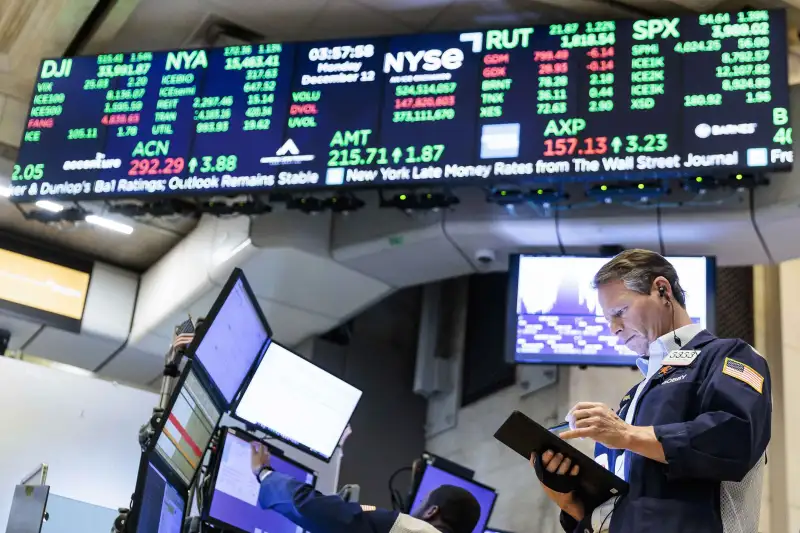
[[661, 291]]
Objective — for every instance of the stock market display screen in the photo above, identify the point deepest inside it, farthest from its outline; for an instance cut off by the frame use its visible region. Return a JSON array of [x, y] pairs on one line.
[[675, 96], [560, 321]]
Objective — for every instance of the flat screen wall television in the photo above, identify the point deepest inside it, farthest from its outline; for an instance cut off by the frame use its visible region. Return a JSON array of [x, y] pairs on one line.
[[554, 316]]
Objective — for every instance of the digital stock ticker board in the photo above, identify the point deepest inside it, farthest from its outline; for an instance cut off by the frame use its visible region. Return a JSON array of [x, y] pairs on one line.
[[606, 99]]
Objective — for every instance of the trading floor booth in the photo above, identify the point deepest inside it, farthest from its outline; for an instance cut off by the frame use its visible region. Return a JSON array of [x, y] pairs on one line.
[[226, 385]]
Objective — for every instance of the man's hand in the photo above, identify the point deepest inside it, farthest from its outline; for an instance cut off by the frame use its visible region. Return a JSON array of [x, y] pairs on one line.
[[259, 456], [600, 423], [558, 464]]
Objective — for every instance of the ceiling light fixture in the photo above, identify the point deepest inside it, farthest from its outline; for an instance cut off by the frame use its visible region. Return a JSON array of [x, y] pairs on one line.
[[106, 223], [47, 205]]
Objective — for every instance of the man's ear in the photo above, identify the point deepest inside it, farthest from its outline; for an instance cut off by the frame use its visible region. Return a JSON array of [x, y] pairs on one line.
[[430, 512], [661, 281]]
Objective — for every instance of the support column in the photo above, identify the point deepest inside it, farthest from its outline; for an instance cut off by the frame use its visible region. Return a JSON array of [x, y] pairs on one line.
[[769, 342], [790, 323]]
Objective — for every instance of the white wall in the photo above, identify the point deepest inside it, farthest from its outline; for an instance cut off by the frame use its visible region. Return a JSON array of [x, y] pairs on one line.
[[790, 288], [85, 429], [521, 506]]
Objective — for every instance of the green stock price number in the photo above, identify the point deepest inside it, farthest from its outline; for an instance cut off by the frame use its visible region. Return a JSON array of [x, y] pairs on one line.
[[634, 144], [208, 164], [410, 155], [28, 172]]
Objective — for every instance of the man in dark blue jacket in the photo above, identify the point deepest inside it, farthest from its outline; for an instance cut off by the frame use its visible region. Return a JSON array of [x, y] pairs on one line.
[[447, 509], [691, 438]]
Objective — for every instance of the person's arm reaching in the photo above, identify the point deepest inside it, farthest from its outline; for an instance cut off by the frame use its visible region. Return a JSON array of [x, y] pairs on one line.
[[310, 509], [732, 433], [723, 443], [316, 512]]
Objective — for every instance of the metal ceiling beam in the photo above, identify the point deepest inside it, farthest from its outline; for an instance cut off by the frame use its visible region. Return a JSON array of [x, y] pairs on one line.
[[113, 18]]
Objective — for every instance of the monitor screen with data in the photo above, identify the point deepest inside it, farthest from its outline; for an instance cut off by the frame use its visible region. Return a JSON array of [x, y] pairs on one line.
[[234, 338], [298, 402], [188, 427], [555, 316], [434, 477], [234, 500], [161, 503]]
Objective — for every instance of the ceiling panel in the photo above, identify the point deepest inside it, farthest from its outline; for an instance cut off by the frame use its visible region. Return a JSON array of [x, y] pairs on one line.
[[292, 325], [346, 18], [159, 25], [135, 252], [275, 19], [417, 14], [72, 349], [31, 30], [134, 366]]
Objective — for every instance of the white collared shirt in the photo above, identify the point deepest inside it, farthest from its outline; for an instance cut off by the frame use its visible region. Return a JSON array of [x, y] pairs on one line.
[[649, 366]]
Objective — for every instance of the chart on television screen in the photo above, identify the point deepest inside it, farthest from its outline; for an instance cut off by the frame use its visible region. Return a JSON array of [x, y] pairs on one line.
[[679, 96], [188, 429], [558, 318]]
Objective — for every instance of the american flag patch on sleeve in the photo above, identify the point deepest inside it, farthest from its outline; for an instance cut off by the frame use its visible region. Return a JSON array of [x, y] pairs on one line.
[[742, 372]]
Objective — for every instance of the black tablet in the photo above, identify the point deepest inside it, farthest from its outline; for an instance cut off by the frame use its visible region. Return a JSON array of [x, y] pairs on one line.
[[526, 437]]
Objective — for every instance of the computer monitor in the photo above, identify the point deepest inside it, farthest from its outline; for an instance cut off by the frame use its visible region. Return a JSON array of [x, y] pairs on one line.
[[187, 426], [234, 490], [298, 402], [159, 503], [434, 477], [232, 338], [554, 316]]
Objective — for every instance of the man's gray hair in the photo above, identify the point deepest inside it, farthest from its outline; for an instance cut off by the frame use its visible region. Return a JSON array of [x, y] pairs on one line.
[[637, 269]]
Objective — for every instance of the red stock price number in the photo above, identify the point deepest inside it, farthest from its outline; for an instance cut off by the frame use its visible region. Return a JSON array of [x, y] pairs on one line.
[[552, 61], [575, 146], [154, 166]]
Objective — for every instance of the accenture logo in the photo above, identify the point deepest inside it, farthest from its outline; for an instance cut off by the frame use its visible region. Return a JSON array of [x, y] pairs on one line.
[[705, 131]]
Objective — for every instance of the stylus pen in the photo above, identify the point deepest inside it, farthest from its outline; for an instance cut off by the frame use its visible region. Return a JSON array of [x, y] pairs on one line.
[[559, 427]]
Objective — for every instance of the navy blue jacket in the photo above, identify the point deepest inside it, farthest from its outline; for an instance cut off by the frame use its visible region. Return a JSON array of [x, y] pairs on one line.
[[714, 429], [318, 513]]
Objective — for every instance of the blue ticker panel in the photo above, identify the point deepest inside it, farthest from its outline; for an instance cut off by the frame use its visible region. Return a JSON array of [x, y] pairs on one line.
[[688, 96]]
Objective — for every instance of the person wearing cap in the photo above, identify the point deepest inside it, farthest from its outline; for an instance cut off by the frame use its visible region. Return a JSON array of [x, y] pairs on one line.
[[691, 438], [446, 509]]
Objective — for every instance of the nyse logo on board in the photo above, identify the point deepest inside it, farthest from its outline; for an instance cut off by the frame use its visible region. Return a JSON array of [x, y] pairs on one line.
[[428, 60]]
